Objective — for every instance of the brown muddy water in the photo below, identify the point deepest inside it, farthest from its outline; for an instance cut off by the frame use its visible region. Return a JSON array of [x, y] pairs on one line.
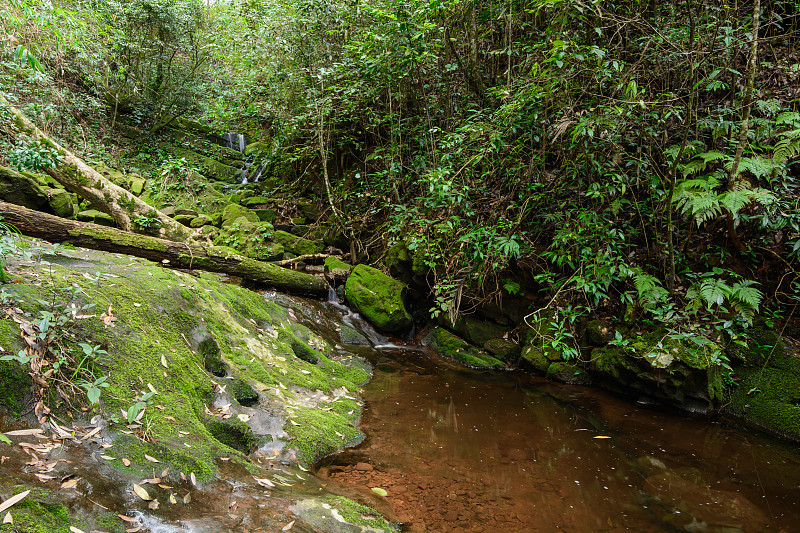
[[459, 450], [475, 451]]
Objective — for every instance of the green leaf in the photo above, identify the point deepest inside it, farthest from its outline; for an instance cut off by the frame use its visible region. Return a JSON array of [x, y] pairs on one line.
[[5, 439], [94, 395], [379, 491]]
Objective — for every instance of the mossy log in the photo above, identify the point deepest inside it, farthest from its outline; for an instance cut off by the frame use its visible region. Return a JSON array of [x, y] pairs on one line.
[[78, 177], [174, 254]]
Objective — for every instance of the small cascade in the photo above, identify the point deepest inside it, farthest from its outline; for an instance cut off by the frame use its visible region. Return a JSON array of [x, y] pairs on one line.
[[238, 142], [332, 296]]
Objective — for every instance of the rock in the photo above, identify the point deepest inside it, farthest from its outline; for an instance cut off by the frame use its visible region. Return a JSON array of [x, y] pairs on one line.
[[378, 298], [768, 397], [597, 333], [297, 245], [338, 516], [257, 201], [300, 221], [337, 268], [186, 220], [17, 188], [137, 184], [111, 174], [503, 349], [363, 467], [457, 349], [266, 215], [98, 217], [535, 357], [720, 511], [200, 221], [478, 331], [250, 239], [231, 212], [242, 392], [168, 210], [186, 212], [63, 203], [352, 336]]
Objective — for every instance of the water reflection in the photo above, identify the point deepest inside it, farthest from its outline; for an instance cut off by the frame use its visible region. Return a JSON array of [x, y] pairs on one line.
[[465, 451]]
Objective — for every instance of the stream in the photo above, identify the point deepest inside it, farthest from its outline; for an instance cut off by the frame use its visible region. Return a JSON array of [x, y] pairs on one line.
[[450, 449], [462, 450]]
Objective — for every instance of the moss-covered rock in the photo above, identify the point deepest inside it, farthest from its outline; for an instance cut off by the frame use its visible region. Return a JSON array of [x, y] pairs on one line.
[[596, 333], [62, 202], [297, 245], [250, 239], [457, 349], [503, 349], [378, 298], [17, 188], [478, 331], [98, 217], [174, 331], [767, 396], [233, 212]]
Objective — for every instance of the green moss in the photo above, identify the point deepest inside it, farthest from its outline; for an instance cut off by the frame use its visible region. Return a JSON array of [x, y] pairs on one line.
[[297, 245], [119, 238], [232, 432], [769, 397], [242, 392], [378, 298], [455, 348], [317, 433], [355, 513], [232, 212], [334, 263]]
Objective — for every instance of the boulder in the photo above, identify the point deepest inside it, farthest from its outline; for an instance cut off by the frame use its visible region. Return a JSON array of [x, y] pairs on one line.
[[378, 298], [17, 188], [457, 349], [98, 217], [232, 212], [63, 202], [200, 221], [297, 245]]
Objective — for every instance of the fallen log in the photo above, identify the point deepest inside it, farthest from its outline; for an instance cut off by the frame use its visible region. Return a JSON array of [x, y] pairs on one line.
[[180, 255], [78, 177]]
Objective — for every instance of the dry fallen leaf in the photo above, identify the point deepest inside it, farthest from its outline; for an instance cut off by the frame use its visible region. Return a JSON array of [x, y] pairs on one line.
[[126, 462], [288, 526], [140, 492], [164, 361], [13, 500], [187, 498], [7, 518], [194, 480], [70, 483], [151, 459], [153, 505], [75, 529], [128, 518], [172, 499]]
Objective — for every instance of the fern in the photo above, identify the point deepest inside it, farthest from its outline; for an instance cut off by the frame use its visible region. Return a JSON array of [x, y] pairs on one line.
[[788, 147], [696, 198], [700, 163], [742, 296], [649, 289], [745, 298], [788, 117]]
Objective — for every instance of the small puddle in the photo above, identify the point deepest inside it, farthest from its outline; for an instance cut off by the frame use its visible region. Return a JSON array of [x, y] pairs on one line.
[[467, 451]]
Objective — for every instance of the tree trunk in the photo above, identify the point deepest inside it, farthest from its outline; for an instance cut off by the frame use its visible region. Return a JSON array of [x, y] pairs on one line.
[[748, 100], [174, 254], [80, 178]]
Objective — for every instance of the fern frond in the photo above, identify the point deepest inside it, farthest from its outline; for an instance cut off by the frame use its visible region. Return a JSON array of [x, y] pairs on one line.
[[759, 166], [788, 117], [787, 148], [714, 291], [701, 161]]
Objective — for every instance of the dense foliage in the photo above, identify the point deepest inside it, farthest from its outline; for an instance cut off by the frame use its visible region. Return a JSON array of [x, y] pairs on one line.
[[633, 157]]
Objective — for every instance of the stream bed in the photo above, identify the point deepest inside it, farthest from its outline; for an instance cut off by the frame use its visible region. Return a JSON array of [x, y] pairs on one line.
[[475, 451]]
